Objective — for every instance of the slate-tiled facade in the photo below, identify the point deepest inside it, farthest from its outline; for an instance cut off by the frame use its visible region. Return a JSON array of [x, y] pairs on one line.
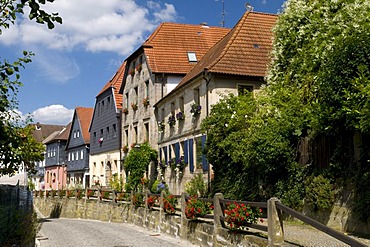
[[78, 148], [105, 132]]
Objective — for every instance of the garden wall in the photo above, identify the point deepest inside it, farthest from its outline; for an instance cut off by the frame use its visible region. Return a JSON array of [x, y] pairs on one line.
[[201, 233]]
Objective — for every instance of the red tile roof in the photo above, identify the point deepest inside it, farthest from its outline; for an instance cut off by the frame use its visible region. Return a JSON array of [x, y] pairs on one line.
[[115, 83], [244, 51], [166, 48], [84, 115]]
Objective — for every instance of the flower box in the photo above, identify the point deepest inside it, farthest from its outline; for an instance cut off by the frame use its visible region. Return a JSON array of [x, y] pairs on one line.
[[195, 109], [125, 111], [196, 208], [180, 116], [134, 106], [146, 102], [171, 120], [240, 215]]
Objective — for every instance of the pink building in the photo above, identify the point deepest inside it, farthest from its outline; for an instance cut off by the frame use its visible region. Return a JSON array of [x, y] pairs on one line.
[[55, 159]]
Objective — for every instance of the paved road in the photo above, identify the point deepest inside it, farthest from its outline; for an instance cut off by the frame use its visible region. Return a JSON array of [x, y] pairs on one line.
[[80, 233]]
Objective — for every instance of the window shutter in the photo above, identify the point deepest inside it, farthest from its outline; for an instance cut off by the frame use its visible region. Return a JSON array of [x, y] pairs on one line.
[[186, 152], [160, 154], [204, 158], [191, 155], [177, 150], [165, 154], [169, 152]]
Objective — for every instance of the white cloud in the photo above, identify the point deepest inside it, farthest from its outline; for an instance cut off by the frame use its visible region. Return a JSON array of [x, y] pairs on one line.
[[114, 25], [59, 67], [53, 114]]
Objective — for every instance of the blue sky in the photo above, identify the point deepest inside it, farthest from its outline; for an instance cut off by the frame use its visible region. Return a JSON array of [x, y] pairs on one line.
[[76, 59]]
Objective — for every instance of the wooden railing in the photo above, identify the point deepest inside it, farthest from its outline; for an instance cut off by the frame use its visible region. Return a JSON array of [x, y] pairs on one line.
[[273, 211]]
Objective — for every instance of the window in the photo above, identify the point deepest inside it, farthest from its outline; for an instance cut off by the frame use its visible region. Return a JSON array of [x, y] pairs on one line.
[[78, 133], [101, 133], [181, 103], [108, 103], [54, 149], [127, 100], [107, 133], [173, 107], [76, 155], [114, 131], [69, 156], [73, 156], [135, 134], [196, 96], [147, 89], [82, 154], [102, 105], [245, 89], [98, 108], [126, 137], [146, 126], [74, 134], [192, 57], [136, 95]]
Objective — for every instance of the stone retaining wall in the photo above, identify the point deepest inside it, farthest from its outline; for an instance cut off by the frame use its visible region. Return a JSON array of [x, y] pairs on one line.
[[201, 233]]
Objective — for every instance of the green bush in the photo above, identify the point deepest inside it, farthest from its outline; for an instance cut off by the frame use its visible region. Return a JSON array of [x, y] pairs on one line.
[[196, 186], [319, 193]]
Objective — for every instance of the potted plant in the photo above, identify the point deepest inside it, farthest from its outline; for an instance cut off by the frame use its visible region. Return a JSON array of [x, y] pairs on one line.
[[146, 101], [240, 215], [134, 106], [196, 208], [90, 193], [169, 204], [171, 120], [195, 109], [180, 116], [125, 111], [132, 72], [138, 199], [151, 201], [161, 126], [139, 67]]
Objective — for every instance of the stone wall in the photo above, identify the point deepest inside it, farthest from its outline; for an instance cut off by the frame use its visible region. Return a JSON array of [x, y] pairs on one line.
[[202, 233]]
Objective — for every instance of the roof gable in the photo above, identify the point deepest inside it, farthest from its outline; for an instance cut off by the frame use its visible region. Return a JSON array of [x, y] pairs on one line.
[[244, 51], [43, 131], [84, 116], [115, 84]]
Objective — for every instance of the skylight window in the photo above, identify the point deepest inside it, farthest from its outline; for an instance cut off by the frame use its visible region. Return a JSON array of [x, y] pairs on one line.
[[192, 57]]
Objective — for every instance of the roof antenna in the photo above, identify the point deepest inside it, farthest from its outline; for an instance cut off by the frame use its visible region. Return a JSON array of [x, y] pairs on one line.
[[223, 13], [248, 7]]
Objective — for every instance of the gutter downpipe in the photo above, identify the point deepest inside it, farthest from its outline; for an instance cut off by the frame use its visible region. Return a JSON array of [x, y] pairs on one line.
[[207, 78]]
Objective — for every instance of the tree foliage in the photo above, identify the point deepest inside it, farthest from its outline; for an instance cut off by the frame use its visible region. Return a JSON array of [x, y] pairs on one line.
[[16, 143], [136, 164], [317, 86]]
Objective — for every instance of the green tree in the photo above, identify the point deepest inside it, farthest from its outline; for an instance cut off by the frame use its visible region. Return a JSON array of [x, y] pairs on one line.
[[317, 86], [136, 164], [16, 142]]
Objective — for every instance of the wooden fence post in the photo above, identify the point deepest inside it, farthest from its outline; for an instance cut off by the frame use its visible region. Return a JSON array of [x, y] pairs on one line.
[[217, 211], [184, 220], [114, 196], [275, 224]]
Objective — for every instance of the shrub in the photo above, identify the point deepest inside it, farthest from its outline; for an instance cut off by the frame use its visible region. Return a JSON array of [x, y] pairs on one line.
[[196, 186], [197, 208], [319, 193], [240, 215]]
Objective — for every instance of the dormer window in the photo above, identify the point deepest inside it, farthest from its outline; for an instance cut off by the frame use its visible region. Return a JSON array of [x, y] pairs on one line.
[[192, 57]]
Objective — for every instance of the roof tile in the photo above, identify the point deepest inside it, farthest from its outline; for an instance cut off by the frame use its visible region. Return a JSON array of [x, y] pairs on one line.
[[244, 51], [85, 115], [166, 49]]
